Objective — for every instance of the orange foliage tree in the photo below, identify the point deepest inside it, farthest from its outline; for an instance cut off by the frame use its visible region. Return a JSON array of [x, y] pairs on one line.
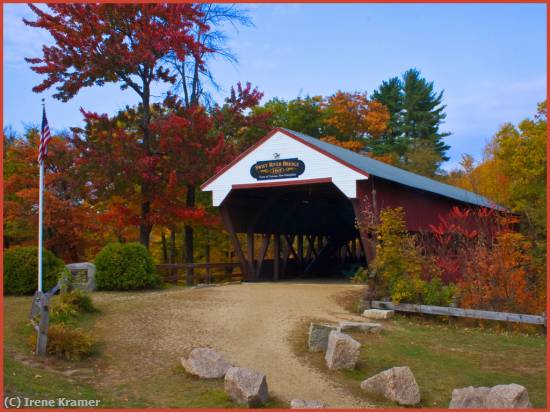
[[501, 277], [352, 120], [353, 145], [71, 227], [492, 264], [352, 116]]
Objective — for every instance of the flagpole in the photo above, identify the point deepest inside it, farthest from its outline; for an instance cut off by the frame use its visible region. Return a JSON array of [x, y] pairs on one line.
[[40, 217], [42, 299]]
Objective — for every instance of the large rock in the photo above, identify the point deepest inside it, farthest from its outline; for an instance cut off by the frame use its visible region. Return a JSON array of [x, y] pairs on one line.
[[378, 313], [508, 396], [318, 336], [206, 363], [303, 404], [360, 326], [246, 387], [469, 397], [396, 384], [342, 351], [498, 397]]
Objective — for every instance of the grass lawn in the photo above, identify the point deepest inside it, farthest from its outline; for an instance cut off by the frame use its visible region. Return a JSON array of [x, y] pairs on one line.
[[27, 376], [442, 358]]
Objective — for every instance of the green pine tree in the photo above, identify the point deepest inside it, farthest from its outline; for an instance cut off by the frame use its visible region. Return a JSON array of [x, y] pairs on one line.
[[413, 134], [390, 94], [423, 112]]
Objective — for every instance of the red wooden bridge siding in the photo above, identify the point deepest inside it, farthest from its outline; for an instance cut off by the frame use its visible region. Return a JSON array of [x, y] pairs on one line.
[[421, 208]]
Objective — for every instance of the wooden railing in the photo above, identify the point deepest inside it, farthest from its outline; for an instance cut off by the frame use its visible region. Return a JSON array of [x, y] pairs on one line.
[[463, 313], [195, 273]]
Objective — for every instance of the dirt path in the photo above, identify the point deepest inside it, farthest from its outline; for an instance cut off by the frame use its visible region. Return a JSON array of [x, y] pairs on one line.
[[250, 323]]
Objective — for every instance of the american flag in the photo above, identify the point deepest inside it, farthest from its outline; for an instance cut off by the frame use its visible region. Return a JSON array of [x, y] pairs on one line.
[[45, 138]]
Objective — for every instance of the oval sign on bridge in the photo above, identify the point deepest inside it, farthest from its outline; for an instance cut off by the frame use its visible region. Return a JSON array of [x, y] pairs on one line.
[[277, 169]]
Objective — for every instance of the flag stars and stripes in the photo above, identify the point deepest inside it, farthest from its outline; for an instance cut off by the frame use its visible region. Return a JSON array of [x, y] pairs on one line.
[[45, 138]]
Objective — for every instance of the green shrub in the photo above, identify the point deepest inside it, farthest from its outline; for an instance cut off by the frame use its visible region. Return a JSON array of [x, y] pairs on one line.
[[406, 289], [72, 304], [67, 342], [399, 262], [21, 270], [361, 276], [437, 294], [403, 269], [126, 266], [62, 313], [79, 300]]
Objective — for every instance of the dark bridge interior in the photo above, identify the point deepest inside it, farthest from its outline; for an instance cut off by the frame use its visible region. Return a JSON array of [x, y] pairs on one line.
[[293, 231]]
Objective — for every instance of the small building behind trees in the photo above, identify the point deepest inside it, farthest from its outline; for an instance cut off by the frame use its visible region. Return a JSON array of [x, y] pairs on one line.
[[303, 205]]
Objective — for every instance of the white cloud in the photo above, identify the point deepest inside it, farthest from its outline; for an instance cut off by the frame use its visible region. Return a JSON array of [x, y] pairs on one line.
[[21, 41]]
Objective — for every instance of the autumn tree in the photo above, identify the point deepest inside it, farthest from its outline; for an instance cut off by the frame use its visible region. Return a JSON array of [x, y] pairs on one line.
[[352, 116], [494, 266], [512, 171], [349, 120], [71, 229], [95, 44], [522, 152], [193, 74], [237, 118], [213, 136], [194, 78], [353, 145], [502, 278], [188, 145], [305, 115]]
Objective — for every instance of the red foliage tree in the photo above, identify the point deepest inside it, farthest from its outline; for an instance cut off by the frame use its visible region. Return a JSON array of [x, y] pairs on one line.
[[196, 143], [187, 146], [493, 266], [456, 234], [241, 126], [70, 226], [114, 43]]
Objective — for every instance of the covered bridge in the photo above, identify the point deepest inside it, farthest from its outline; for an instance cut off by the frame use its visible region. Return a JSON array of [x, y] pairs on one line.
[[299, 200]]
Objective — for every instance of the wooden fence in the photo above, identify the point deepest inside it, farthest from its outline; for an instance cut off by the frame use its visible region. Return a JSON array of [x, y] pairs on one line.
[[458, 312], [195, 273]]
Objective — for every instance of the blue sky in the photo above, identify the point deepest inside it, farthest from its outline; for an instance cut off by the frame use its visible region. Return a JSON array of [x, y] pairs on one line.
[[490, 60]]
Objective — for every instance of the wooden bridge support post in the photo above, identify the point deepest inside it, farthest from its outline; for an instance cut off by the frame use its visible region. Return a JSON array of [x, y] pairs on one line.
[[228, 223], [276, 256], [300, 249], [263, 252], [250, 254]]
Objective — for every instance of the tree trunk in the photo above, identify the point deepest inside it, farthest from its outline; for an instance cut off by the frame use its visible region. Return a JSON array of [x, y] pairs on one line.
[[172, 245], [145, 227], [190, 202], [207, 258], [164, 248]]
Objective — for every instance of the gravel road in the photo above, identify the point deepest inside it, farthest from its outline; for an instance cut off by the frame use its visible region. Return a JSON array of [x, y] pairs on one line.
[[250, 323]]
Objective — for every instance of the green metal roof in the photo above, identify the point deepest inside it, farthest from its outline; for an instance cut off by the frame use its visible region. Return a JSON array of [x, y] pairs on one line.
[[395, 174]]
